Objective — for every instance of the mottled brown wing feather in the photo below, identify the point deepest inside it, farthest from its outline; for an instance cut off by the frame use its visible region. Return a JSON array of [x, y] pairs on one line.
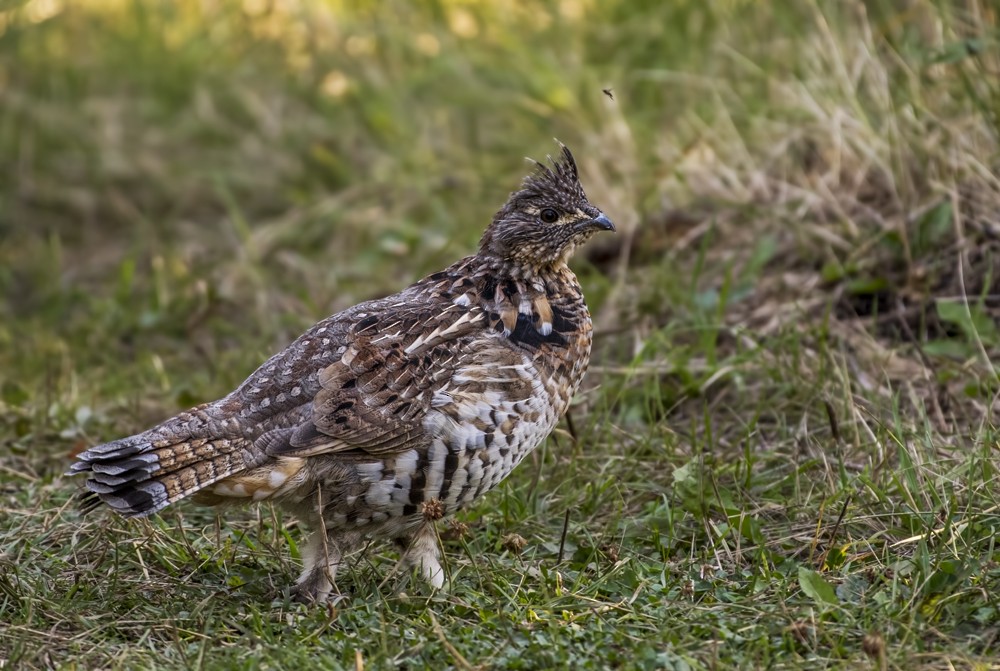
[[372, 402]]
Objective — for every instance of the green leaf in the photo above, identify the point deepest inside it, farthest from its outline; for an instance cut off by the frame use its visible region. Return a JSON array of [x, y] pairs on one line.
[[867, 285], [833, 271], [763, 252], [853, 589], [816, 587], [687, 475], [973, 321], [748, 527], [949, 348], [933, 228]]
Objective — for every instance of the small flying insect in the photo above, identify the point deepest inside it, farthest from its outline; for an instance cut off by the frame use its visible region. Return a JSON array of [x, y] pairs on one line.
[[608, 93]]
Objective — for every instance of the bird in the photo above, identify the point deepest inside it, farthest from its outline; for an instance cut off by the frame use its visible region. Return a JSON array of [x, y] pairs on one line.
[[390, 415]]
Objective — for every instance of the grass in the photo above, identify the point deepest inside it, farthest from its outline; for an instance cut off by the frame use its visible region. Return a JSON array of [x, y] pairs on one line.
[[785, 453]]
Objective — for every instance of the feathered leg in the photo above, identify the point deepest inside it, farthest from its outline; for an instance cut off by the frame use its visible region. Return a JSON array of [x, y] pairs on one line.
[[321, 557], [421, 552]]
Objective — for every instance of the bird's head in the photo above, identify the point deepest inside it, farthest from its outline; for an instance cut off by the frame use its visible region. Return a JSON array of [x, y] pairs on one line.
[[542, 223]]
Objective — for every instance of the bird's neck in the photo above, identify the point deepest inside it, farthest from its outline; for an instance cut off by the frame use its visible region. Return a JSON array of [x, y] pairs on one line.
[[526, 271], [517, 293]]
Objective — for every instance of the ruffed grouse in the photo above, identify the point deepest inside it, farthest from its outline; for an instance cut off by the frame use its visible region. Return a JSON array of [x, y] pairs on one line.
[[395, 412]]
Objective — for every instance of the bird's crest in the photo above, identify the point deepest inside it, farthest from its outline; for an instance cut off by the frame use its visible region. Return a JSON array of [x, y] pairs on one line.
[[562, 177]]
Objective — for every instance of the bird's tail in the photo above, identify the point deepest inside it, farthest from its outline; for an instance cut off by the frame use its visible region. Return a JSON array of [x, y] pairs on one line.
[[142, 474]]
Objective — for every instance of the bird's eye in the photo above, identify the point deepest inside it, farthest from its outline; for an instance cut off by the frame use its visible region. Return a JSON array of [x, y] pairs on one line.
[[549, 216]]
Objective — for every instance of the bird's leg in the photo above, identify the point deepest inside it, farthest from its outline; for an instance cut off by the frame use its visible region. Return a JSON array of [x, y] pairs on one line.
[[321, 556], [421, 552]]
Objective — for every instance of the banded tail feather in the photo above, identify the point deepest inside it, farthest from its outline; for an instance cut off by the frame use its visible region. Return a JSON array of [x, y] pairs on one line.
[[140, 475]]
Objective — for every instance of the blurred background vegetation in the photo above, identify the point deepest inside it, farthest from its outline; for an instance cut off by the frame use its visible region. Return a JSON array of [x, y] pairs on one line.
[[804, 284], [230, 171]]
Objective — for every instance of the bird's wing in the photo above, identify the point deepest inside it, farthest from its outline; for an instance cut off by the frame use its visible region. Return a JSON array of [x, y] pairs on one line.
[[372, 400]]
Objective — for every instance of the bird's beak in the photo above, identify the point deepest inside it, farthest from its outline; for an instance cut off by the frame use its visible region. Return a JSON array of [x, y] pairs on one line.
[[602, 223]]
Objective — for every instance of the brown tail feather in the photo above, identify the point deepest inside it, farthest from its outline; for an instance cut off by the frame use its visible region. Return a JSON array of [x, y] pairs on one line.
[[138, 477]]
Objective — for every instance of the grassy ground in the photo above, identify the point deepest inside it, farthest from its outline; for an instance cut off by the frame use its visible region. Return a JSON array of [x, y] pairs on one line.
[[786, 452]]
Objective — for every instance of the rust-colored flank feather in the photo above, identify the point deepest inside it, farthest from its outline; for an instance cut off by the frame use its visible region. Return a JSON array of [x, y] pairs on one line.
[[396, 412]]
